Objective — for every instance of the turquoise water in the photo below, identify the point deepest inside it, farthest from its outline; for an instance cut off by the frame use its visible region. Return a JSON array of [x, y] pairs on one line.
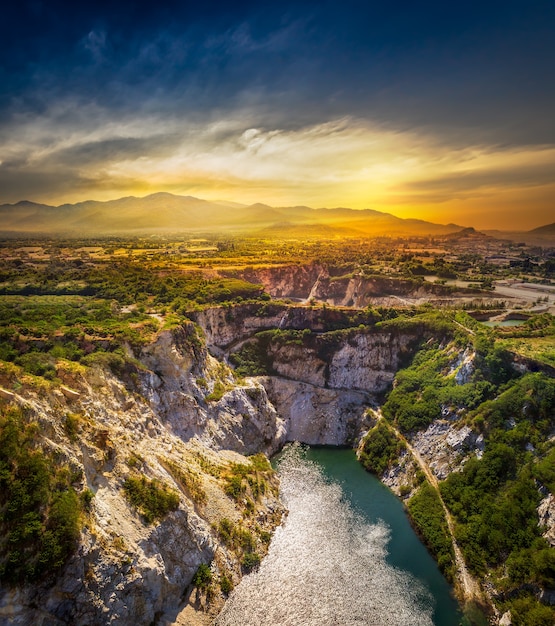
[[405, 551], [344, 556], [504, 323]]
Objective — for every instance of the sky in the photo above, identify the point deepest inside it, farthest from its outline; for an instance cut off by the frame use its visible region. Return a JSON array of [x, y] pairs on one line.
[[438, 110]]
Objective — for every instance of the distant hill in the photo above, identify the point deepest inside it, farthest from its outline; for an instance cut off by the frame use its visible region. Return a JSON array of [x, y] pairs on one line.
[[165, 212], [541, 236], [549, 229]]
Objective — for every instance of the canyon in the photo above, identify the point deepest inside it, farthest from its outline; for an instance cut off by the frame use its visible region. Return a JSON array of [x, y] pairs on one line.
[[180, 414]]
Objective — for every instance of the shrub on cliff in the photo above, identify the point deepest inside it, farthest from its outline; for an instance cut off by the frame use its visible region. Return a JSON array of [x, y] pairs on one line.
[[250, 561], [40, 511], [380, 449], [152, 499], [202, 577]]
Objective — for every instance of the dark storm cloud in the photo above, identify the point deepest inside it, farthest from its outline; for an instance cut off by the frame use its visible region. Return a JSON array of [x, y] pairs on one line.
[[85, 84], [109, 150], [416, 64]]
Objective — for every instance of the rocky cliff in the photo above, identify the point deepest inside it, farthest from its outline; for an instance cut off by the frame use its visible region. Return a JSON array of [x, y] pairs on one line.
[[180, 418], [323, 386], [340, 286], [320, 381], [225, 328], [159, 419]]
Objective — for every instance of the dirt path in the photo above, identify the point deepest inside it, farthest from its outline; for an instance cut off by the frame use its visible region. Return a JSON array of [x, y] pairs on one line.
[[465, 328], [468, 585]]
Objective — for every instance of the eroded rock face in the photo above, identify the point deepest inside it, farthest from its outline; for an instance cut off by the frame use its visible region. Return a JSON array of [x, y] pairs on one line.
[[176, 386], [318, 416], [401, 477], [546, 514], [226, 327], [444, 446], [127, 571], [291, 281], [368, 361], [363, 361], [339, 286]]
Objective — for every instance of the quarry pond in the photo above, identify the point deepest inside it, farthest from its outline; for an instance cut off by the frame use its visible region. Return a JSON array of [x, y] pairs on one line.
[[345, 555]]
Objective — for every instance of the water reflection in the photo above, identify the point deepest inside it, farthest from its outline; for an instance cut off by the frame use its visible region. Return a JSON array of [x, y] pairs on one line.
[[326, 565]]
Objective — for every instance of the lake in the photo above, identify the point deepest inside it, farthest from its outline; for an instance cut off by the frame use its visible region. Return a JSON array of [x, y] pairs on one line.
[[346, 554]]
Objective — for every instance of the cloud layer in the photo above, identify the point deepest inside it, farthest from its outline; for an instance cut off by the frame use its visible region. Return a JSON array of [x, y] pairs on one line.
[[439, 112]]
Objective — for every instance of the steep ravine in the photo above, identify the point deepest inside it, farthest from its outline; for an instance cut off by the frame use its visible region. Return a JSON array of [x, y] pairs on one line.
[[179, 414]]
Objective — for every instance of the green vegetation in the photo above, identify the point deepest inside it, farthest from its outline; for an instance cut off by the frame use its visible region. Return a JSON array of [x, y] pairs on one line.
[[207, 466], [247, 483], [72, 425], [540, 349], [40, 512], [72, 311], [494, 498], [428, 517], [39, 333], [226, 584], [152, 499], [226, 530], [428, 386], [203, 577], [125, 281], [252, 359], [250, 561], [217, 393], [260, 462], [544, 470], [527, 611], [423, 321], [533, 339], [522, 414], [380, 448], [188, 480], [242, 541], [256, 357]]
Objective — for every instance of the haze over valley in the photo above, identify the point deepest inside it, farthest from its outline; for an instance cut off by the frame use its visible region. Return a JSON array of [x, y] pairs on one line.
[[167, 213]]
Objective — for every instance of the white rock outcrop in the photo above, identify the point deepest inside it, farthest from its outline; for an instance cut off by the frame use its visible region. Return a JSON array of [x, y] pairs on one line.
[[126, 571], [546, 514]]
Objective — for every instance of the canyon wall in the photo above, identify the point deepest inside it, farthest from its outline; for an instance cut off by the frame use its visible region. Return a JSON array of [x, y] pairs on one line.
[[340, 286], [322, 381], [173, 411], [154, 420]]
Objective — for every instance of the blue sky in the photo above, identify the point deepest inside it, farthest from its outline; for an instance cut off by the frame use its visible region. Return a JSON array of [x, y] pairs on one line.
[[430, 109]]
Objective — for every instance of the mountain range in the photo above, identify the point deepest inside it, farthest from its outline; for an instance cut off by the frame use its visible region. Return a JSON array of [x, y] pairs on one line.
[[165, 212]]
